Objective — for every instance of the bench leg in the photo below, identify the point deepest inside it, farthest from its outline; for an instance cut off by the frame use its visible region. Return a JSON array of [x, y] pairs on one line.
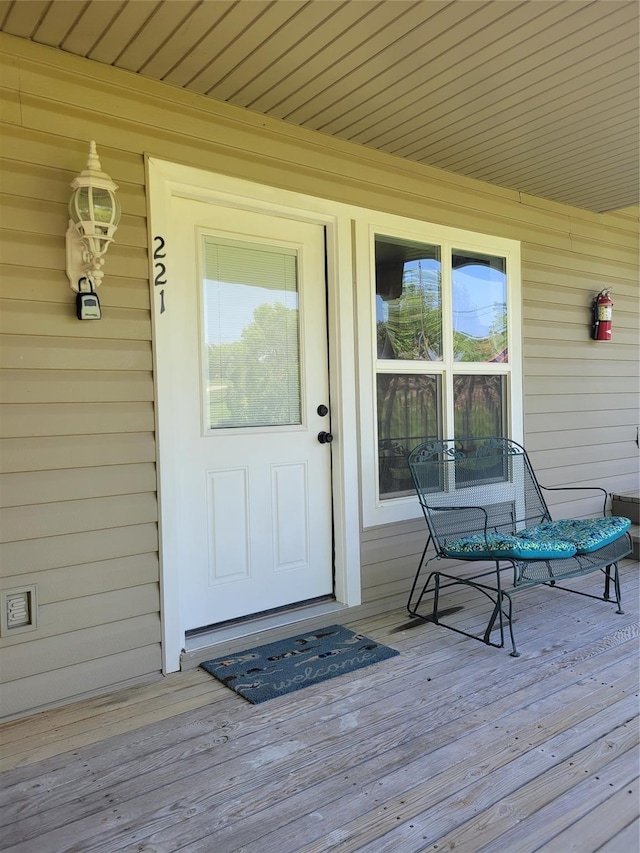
[[412, 608], [501, 600], [616, 585], [498, 611]]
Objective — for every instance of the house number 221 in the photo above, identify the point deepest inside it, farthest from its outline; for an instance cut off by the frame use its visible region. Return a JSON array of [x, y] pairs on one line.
[[160, 269]]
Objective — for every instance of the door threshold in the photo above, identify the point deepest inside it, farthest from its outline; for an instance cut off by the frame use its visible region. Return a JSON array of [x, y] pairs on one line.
[[260, 624]]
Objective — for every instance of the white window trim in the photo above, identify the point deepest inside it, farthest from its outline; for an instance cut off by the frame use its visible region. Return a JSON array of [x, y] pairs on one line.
[[376, 512]]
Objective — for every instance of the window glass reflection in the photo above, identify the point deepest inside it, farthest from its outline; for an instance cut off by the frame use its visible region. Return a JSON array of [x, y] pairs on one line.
[[479, 405], [250, 299], [409, 412], [479, 294], [408, 300], [479, 411]]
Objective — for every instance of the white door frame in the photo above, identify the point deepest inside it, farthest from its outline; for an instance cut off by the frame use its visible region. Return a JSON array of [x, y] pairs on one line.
[[166, 180]]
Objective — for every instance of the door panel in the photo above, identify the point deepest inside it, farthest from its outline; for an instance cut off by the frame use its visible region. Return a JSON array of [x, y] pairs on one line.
[[249, 345]]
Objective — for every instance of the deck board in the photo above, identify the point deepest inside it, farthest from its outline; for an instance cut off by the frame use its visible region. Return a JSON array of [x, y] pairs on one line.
[[626, 839], [451, 745]]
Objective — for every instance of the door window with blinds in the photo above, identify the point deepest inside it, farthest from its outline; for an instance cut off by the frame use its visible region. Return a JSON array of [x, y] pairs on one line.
[[446, 361], [251, 335]]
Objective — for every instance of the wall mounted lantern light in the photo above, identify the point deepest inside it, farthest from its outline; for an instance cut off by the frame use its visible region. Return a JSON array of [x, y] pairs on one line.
[[95, 212]]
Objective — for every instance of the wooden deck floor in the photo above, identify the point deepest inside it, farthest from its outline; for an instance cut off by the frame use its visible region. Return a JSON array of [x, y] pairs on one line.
[[452, 745]]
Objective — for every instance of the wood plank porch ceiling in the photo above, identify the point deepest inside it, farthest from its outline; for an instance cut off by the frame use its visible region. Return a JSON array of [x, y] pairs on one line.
[[540, 96]]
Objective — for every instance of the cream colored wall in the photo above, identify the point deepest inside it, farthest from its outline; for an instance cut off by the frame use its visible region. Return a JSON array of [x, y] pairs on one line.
[[78, 448]]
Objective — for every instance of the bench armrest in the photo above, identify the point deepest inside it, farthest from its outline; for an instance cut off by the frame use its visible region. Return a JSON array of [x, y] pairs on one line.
[[480, 510], [579, 489]]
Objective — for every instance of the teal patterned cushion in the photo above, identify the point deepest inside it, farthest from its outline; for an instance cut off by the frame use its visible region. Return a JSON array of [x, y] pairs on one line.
[[503, 546], [587, 534]]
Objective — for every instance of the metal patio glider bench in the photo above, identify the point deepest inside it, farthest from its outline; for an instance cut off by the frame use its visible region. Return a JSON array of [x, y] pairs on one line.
[[483, 504]]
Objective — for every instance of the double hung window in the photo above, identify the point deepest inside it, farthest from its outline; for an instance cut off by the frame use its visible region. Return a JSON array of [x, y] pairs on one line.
[[441, 335]]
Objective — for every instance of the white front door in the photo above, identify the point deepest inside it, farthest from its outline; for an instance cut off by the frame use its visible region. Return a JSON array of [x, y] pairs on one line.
[[246, 321]]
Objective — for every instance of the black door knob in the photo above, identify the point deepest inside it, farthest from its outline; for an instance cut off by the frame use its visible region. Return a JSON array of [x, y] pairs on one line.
[[325, 437]]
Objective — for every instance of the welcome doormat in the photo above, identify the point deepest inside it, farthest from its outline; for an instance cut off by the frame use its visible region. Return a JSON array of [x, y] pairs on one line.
[[277, 668]]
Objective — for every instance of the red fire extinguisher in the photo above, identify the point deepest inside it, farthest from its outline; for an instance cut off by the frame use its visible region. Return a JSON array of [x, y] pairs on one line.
[[602, 315]]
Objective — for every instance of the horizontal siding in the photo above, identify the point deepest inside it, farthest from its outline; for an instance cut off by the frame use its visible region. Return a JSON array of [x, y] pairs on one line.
[[40, 487], [555, 280], [22, 317], [70, 386], [77, 418], [562, 341], [52, 452], [63, 583], [60, 685], [87, 614], [46, 419], [35, 285], [77, 448], [66, 617], [16, 246], [575, 421], [615, 236], [582, 397], [48, 353], [585, 437], [85, 644], [388, 547], [389, 556], [74, 549], [581, 385], [26, 150], [546, 403], [54, 519], [569, 365]]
